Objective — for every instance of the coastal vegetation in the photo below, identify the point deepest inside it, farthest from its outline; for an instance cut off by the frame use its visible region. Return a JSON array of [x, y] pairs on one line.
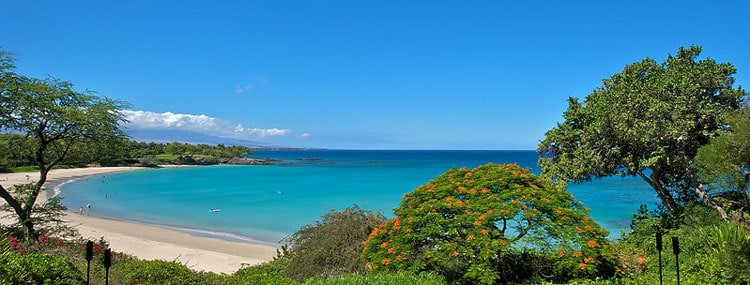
[[680, 125], [126, 152]]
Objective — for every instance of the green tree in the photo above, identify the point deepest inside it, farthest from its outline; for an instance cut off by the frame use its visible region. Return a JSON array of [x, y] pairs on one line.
[[332, 246], [55, 118], [724, 163], [465, 223], [648, 120]]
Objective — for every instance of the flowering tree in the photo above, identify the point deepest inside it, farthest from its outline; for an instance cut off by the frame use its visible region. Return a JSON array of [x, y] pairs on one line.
[[462, 223]]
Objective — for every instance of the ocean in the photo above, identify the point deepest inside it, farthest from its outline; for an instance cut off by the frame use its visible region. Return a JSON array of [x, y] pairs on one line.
[[266, 203]]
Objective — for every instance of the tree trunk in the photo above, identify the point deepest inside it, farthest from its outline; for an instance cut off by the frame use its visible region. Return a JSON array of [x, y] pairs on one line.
[[28, 226], [703, 195], [664, 195], [700, 188], [23, 214]]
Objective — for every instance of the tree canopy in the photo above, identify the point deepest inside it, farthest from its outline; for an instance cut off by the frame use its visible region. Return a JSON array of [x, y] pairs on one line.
[[466, 222], [648, 120]]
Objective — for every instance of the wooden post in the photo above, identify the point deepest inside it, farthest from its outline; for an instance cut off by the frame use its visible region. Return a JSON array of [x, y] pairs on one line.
[[659, 248], [676, 250], [89, 256]]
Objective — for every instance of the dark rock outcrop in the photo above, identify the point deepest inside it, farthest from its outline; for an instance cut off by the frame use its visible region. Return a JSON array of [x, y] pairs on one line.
[[246, 161]]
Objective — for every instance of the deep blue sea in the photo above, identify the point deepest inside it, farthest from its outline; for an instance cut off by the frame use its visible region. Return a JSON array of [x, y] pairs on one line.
[[267, 203]]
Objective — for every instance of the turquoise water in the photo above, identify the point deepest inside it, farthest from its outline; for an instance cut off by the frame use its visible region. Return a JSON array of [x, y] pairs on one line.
[[268, 203]]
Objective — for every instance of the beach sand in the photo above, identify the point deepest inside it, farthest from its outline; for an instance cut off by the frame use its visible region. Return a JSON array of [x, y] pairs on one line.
[[147, 241]]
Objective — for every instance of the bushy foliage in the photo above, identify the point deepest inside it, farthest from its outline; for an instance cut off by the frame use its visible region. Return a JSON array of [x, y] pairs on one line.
[[156, 272], [332, 246], [712, 251], [464, 222], [38, 268], [269, 273], [402, 277]]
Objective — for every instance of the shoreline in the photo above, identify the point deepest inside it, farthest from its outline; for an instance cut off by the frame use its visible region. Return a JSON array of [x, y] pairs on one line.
[[147, 241]]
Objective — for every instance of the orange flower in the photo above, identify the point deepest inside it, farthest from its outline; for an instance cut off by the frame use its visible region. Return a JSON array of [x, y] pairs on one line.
[[386, 261], [473, 191], [577, 254], [485, 191], [481, 217], [559, 213], [582, 266], [384, 244], [470, 238], [578, 229], [484, 232], [374, 232], [561, 253], [588, 260], [592, 243], [477, 223], [640, 260], [589, 228], [453, 253], [399, 258], [407, 230], [391, 250]]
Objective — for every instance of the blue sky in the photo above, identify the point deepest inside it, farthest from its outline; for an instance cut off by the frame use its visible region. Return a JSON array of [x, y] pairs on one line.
[[360, 74]]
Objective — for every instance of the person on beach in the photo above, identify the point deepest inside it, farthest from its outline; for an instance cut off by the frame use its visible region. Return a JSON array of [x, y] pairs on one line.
[[81, 212], [88, 209]]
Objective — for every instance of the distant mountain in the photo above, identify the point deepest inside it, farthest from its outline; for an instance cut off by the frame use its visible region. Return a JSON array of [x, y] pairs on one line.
[[168, 136]]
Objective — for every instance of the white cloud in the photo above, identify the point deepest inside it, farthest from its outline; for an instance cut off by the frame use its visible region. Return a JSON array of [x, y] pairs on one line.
[[261, 132], [305, 135], [240, 89], [197, 123], [257, 80], [261, 80]]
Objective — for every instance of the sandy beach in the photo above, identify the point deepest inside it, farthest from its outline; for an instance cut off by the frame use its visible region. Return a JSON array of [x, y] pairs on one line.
[[147, 241]]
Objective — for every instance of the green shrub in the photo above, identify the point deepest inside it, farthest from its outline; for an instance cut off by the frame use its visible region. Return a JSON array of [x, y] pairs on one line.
[[155, 272], [271, 273], [730, 244], [712, 251], [35, 268], [402, 277], [332, 246]]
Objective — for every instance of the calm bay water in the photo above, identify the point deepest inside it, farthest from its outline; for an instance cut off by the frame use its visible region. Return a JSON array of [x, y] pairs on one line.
[[267, 203]]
